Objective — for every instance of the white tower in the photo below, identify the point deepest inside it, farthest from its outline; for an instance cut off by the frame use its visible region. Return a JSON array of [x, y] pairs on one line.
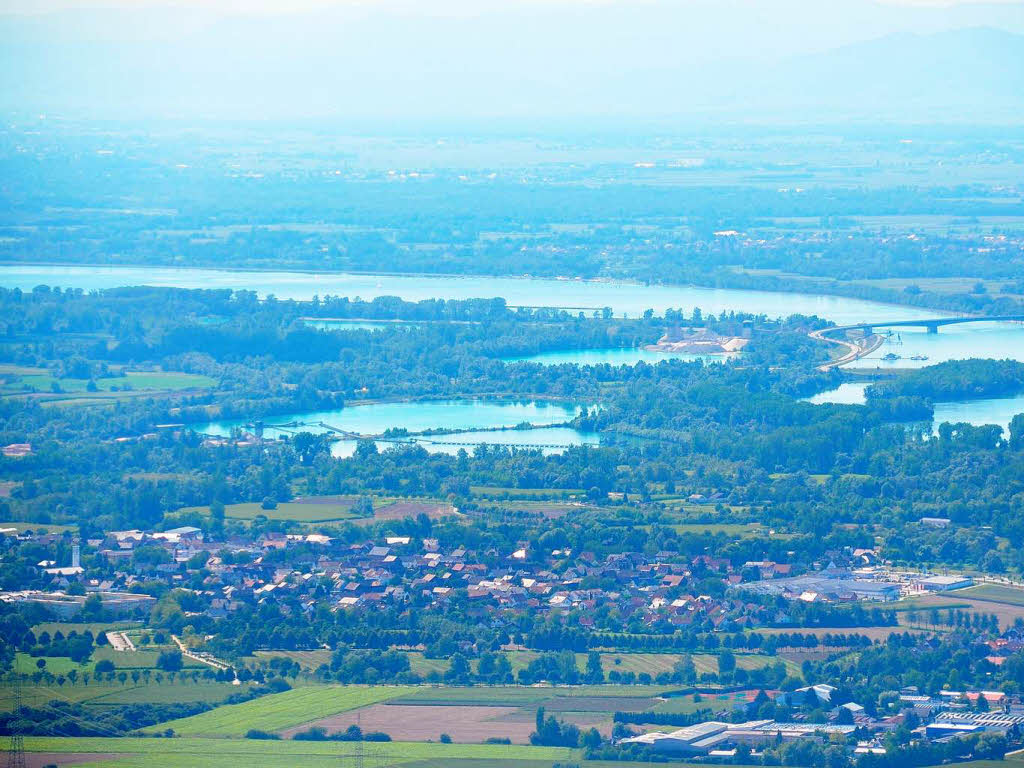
[[76, 555]]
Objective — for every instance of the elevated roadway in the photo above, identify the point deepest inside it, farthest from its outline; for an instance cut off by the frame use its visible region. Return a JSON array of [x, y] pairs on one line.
[[856, 349]]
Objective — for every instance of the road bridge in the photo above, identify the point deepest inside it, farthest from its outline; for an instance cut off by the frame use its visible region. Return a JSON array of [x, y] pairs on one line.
[[871, 342], [931, 325]]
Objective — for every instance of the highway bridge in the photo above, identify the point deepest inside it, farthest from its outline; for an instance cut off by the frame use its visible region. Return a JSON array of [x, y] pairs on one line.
[[871, 342], [932, 325]]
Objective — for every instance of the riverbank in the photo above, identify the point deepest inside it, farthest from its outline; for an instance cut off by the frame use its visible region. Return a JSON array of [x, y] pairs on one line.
[[622, 297], [725, 278]]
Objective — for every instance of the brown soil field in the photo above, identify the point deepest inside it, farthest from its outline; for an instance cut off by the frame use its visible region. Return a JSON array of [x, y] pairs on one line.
[[466, 725], [402, 509]]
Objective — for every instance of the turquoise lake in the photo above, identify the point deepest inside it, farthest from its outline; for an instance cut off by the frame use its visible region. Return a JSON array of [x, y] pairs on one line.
[[356, 325], [418, 416], [628, 356]]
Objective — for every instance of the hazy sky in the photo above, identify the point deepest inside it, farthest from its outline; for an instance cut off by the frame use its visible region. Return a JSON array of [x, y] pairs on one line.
[[292, 6], [492, 58]]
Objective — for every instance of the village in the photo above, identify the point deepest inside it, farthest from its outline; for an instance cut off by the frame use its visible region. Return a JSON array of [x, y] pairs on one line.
[[649, 591]]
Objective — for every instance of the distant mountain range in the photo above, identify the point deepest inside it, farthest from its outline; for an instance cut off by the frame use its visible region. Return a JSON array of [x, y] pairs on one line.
[[588, 61]]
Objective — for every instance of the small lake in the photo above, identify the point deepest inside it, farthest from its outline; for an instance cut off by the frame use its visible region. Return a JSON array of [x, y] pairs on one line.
[[847, 393], [994, 410], [478, 416], [548, 439], [627, 356], [357, 325]]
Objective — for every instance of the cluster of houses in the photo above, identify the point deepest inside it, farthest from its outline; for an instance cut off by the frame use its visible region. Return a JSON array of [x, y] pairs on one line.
[[652, 589], [949, 715]]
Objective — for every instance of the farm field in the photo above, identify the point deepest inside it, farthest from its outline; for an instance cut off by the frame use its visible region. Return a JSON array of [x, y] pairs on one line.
[[136, 380], [996, 593], [874, 633], [279, 711], [465, 725], [245, 753], [549, 509], [1007, 613], [496, 491], [144, 658], [168, 693], [288, 510], [741, 530], [400, 510], [637, 663], [324, 509], [115, 693], [308, 660], [515, 696], [37, 527]]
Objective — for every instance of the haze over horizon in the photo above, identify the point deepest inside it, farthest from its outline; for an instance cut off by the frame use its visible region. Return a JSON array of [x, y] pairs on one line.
[[788, 61]]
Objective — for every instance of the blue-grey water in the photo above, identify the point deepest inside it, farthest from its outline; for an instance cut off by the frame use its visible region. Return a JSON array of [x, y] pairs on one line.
[[627, 298]]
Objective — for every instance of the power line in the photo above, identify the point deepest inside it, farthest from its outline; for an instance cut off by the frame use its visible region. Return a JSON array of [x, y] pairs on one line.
[[16, 749]]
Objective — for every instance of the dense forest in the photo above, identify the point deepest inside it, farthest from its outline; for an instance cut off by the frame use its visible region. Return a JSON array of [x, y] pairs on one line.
[[736, 432]]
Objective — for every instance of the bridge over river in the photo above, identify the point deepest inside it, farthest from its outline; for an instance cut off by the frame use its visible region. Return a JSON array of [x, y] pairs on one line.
[[871, 341], [932, 326]]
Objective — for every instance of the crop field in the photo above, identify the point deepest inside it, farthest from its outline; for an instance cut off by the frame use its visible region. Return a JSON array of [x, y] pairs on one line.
[[742, 530], [873, 633], [685, 705], [421, 665], [399, 510], [1007, 613], [289, 510], [37, 527], [167, 693], [308, 660], [282, 710], [465, 725], [515, 696], [496, 491], [325, 509], [144, 658], [637, 663], [55, 665], [135, 380], [106, 693], [246, 753], [549, 509], [995, 593]]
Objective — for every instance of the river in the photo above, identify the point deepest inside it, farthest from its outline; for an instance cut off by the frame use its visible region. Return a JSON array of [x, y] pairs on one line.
[[997, 340], [623, 297]]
